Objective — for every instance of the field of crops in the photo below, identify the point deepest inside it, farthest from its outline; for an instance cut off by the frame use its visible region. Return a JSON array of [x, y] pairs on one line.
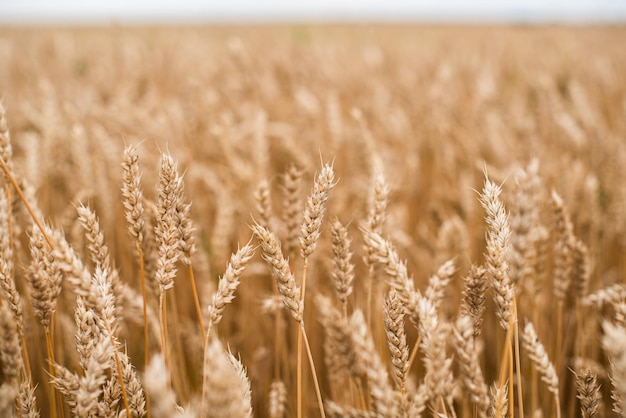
[[303, 221]]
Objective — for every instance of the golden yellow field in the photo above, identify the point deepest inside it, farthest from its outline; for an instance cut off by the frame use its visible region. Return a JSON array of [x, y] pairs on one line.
[[354, 173]]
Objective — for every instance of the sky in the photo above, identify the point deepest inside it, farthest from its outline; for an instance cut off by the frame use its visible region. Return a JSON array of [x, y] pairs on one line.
[[208, 11]]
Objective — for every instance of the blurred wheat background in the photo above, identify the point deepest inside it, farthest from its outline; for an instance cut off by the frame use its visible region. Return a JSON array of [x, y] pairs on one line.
[[424, 284]]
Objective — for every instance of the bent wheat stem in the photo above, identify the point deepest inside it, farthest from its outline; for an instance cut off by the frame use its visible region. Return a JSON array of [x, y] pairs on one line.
[[196, 302], [30, 210]]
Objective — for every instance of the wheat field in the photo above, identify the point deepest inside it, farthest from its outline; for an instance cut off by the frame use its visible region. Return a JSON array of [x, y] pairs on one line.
[[302, 221]]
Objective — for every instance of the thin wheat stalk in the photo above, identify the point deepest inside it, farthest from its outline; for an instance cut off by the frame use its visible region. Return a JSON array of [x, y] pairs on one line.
[[20, 193]]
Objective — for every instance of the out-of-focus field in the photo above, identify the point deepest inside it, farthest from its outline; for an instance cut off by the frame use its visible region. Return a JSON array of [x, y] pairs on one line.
[[426, 112]]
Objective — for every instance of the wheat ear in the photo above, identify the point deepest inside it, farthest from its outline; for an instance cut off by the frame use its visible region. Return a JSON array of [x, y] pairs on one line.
[[287, 287], [539, 357], [588, 392]]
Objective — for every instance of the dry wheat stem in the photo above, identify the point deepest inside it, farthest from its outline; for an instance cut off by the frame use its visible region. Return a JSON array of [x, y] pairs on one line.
[[53, 408], [318, 393], [196, 302], [17, 188]]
